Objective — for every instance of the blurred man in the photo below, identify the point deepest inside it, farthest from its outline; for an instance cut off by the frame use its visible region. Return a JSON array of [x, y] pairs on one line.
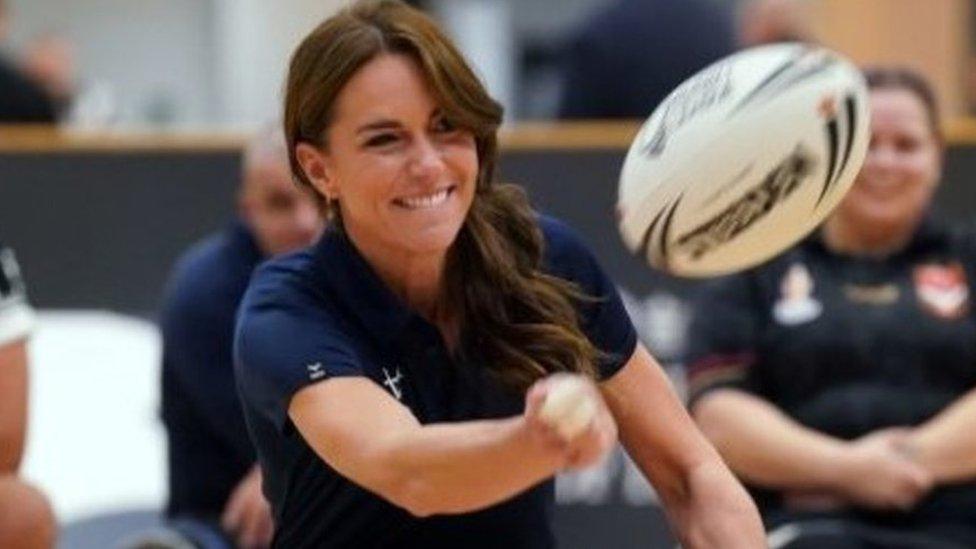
[[21, 99], [214, 487], [628, 57], [770, 21], [26, 520], [49, 60]]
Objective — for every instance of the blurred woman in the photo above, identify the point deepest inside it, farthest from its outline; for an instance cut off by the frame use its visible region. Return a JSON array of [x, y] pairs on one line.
[[837, 380], [393, 374]]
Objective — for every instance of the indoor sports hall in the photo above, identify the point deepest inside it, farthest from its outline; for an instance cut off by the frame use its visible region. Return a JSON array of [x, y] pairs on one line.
[[133, 132]]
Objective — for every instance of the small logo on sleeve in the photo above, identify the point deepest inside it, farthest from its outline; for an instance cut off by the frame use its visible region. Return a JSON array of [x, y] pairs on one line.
[[392, 382], [315, 371]]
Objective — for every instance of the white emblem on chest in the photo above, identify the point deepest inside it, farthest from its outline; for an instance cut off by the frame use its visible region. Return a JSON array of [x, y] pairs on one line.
[[392, 382], [796, 304]]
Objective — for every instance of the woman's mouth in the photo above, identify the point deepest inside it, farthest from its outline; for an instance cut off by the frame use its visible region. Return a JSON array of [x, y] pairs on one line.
[[426, 201]]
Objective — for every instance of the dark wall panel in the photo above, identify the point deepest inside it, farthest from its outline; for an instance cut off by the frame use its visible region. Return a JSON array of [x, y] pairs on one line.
[[102, 230]]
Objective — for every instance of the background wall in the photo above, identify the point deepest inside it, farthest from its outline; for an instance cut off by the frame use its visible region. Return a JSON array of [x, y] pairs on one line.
[[253, 40], [156, 57], [193, 62], [932, 36], [185, 62]]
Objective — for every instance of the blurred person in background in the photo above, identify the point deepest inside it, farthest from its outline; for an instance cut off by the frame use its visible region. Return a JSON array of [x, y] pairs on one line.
[[22, 100], [770, 21], [839, 379], [214, 486], [49, 60], [628, 57], [26, 519]]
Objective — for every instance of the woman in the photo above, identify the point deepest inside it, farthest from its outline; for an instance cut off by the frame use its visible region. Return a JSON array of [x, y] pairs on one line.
[[384, 371], [838, 379]]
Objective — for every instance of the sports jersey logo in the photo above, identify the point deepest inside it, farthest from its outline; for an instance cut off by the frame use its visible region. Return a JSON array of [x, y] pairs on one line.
[[881, 294], [796, 304], [315, 371], [942, 289], [392, 382]]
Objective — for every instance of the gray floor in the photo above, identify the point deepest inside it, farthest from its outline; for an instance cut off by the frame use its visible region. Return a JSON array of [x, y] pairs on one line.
[[108, 531]]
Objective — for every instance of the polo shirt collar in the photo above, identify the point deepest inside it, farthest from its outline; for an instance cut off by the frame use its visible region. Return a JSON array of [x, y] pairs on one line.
[[359, 289]]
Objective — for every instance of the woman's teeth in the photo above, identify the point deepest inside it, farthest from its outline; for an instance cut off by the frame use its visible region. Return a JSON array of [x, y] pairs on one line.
[[428, 201]]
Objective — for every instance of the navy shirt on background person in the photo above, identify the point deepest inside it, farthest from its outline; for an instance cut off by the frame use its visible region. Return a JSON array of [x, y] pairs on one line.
[[209, 449], [849, 345], [628, 57], [324, 313]]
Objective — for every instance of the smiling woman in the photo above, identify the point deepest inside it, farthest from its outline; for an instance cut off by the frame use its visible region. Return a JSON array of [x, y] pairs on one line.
[[402, 175], [393, 375], [383, 115], [901, 171]]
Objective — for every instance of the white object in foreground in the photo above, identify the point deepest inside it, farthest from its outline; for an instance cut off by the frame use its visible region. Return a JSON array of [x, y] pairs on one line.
[[568, 407], [95, 442]]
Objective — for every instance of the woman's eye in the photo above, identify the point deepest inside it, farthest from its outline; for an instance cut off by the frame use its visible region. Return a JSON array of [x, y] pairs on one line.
[[906, 144], [381, 139], [443, 125]]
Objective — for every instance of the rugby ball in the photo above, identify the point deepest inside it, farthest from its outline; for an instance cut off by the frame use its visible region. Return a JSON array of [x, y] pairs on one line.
[[743, 159]]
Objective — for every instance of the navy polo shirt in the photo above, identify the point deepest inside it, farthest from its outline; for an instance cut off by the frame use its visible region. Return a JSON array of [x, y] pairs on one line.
[[209, 450], [324, 313], [628, 56]]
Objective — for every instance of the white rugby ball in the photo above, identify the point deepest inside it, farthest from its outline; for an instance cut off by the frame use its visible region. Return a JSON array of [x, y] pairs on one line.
[[743, 159]]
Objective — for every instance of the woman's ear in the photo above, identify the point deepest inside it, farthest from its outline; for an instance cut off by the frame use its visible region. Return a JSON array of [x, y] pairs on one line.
[[317, 166]]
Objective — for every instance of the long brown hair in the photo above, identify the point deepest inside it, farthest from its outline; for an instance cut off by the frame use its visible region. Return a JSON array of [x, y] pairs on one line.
[[523, 322]]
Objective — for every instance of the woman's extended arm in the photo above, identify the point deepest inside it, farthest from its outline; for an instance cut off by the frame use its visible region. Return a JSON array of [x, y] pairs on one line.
[[705, 503], [372, 439]]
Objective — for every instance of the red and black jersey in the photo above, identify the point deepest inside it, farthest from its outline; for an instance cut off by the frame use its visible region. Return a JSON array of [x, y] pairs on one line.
[[845, 344], [848, 345]]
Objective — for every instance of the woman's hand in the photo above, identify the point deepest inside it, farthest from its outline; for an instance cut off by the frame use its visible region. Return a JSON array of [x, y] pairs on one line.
[[247, 515], [876, 473], [587, 448]]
